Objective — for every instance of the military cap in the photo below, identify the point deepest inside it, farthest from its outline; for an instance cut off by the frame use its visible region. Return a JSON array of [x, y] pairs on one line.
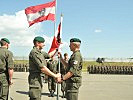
[[6, 40], [75, 40], [39, 39]]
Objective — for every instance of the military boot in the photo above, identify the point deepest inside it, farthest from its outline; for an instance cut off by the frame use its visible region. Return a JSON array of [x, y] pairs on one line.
[[50, 94], [63, 95]]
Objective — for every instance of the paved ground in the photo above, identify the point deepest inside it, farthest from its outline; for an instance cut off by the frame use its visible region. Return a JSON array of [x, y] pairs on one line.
[[94, 87]]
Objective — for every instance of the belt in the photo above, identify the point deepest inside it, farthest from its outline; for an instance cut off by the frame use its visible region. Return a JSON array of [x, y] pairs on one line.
[[2, 71], [31, 72]]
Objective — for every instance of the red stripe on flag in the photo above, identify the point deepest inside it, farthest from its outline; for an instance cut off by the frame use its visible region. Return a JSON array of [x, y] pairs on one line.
[[34, 9], [36, 14], [43, 18], [54, 45]]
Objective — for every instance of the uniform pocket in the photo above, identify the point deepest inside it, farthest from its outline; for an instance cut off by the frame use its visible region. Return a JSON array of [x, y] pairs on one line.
[[34, 91], [76, 85], [3, 90]]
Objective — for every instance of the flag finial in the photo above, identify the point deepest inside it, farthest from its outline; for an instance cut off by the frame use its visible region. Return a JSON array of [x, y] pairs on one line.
[[61, 15]]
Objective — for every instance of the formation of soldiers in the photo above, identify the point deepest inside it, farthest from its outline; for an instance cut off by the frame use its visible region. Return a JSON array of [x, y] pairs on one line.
[[21, 67], [93, 69]]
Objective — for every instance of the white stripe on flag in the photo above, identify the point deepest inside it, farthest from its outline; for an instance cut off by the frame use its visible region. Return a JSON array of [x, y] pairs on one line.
[[44, 12]]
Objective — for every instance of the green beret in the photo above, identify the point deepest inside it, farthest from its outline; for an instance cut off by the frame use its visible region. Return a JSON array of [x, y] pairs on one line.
[[6, 40], [39, 39], [75, 40]]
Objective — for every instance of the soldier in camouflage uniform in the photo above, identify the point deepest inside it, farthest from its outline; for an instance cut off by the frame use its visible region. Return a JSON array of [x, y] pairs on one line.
[[63, 72], [74, 68], [52, 65], [45, 76], [6, 68], [37, 65]]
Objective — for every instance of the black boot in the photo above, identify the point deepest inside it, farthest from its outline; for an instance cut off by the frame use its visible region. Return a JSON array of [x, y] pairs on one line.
[[50, 94], [63, 95]]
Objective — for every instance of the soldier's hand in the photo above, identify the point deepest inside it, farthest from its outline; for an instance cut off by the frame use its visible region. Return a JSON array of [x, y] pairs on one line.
[[59, 80], [59, 54], [58, 75], [10, 82]]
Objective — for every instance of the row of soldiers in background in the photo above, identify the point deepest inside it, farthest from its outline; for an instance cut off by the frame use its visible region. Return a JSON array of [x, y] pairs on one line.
[[21, 67], [93, 69]]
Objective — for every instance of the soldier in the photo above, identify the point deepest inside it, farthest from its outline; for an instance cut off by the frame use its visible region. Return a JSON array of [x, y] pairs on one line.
[[6, 68], [74, 68], [44, 76], [52, 65], [63, 72], [37, 65]]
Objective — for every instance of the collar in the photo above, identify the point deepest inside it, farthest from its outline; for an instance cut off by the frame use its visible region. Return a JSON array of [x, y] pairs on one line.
[[3, 47], [36, 49]]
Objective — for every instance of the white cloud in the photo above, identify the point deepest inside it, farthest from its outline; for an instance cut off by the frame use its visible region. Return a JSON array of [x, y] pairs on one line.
[[16, 29], [98, 30]]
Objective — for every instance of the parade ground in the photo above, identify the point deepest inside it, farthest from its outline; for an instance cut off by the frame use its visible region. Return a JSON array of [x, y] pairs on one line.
[[94, 87]]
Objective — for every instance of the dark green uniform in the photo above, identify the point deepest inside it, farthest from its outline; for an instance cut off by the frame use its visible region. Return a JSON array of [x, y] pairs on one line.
[[36, 62], [44, 76], [63, 84], [6, 61], [74, 82], [52, 65]]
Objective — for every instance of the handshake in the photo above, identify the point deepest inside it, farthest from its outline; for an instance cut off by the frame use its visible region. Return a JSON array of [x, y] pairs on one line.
[[58, 78]]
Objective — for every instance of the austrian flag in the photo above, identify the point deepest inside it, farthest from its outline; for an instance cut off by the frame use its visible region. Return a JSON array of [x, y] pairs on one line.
[[57, 39], [40, 13]]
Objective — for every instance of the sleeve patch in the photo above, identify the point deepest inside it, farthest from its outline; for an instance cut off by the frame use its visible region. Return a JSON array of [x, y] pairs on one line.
[[75, 62]]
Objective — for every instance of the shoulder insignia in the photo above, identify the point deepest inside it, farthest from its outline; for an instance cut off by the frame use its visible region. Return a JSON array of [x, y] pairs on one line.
[[75, 62]]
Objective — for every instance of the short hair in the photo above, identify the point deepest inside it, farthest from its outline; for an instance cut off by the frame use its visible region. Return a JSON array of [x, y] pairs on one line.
[[2, 43], [77, 44], [65, 54]]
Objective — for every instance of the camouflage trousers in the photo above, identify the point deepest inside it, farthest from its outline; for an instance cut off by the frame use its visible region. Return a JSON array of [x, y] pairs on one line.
[[51, 84], [63, 86], [71, 95], [4, 88], [72, 90], [35, 86]]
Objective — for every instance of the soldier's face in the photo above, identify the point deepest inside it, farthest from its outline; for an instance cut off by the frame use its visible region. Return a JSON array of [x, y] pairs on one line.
[[7, 45], [40, 45], [66, 57], [72, 46]]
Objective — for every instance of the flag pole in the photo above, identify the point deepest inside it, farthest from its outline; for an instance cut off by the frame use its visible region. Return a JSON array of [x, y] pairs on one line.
[[58, 57]]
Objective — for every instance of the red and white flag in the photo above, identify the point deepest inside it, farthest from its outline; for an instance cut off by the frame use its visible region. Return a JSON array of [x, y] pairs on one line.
[[56, 40], [40, 13]]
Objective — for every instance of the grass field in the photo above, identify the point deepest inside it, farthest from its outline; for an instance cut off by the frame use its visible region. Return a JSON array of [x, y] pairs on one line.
[[87, 63]]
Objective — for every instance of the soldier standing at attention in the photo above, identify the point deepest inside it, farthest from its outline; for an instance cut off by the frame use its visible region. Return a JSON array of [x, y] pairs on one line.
[[6, 68], [74, 68], [52, 66], [63, 72], [37, 65]]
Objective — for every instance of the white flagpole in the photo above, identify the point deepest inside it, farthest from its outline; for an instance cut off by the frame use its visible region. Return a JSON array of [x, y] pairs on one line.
[[58, 58], [58, 88]]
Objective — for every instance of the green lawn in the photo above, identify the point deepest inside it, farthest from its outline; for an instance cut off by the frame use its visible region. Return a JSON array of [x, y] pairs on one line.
[[87, 63]]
